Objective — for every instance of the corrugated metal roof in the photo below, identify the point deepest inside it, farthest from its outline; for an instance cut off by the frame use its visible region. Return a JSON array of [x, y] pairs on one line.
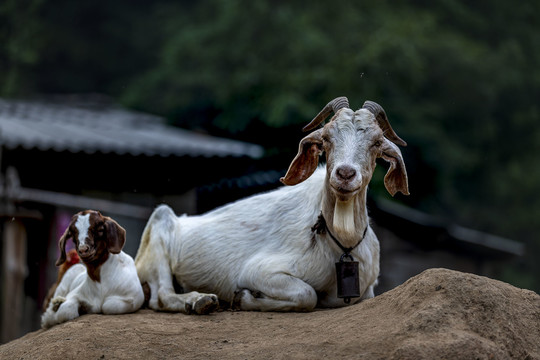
[[96, 126]]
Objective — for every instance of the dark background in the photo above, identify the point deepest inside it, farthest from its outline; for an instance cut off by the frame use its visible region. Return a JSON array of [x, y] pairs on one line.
[[460, 82]]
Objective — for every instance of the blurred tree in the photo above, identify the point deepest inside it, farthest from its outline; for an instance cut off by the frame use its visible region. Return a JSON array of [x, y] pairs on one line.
[[20, 36]]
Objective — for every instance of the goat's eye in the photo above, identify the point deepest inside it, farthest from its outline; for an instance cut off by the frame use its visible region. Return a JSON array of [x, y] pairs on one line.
[[100, 231], [377, 143]]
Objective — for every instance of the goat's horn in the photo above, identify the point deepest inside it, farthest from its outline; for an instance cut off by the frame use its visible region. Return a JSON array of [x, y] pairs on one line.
[[334, 105], [380, 115]]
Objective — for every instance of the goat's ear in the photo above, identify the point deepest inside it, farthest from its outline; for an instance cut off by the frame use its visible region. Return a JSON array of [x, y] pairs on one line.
[[116, 235], [62, 246], [396, 178], [306, 161]]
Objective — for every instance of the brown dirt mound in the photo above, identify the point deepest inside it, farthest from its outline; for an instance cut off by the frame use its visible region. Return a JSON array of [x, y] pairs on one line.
[[439, 314]]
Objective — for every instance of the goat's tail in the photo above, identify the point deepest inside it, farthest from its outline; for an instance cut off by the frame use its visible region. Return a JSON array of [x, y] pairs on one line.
[[161, 213]]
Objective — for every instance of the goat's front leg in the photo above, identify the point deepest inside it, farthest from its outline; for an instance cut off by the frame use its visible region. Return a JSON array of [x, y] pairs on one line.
[[276, 292], [60, 310], [49, 317], [188, 303]]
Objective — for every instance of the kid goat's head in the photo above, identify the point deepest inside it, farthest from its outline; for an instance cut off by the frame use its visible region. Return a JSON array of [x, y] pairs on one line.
[[94, 236], [352, 141]]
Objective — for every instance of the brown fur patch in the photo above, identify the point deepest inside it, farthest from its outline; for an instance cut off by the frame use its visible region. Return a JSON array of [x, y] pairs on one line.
[[94, 268], [147, 293]]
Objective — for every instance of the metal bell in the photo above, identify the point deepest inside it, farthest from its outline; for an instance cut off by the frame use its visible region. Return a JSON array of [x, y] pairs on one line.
[[348, 284]]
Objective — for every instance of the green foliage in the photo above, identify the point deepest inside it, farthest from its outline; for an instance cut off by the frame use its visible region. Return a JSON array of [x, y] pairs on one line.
[[20, 41], [459, 81]]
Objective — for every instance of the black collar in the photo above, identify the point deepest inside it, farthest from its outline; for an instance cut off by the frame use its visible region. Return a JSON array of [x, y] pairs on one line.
[[320, 227]]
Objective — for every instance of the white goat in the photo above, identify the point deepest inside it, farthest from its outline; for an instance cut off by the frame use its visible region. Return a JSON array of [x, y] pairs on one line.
[[274, 251], [107, 282]]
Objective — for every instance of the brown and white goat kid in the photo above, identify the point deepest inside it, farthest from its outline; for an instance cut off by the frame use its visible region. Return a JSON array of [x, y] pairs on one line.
[[274, 251], [105, 282]]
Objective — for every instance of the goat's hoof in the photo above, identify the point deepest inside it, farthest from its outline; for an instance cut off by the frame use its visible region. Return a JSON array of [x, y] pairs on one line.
[[237, 300], [56, 302], [206, 305]]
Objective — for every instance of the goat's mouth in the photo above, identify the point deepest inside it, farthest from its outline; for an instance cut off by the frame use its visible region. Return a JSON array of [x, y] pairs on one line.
[[86, 257], [345, 192]]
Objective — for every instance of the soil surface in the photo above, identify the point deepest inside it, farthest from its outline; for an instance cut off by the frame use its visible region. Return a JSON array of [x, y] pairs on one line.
[[439, 314]]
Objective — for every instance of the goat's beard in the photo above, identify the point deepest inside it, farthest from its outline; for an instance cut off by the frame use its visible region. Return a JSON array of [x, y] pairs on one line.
[[344, 219]]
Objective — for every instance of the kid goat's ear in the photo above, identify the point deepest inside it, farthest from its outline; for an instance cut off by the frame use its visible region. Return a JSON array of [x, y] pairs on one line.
[[62, 245], [116, 235]]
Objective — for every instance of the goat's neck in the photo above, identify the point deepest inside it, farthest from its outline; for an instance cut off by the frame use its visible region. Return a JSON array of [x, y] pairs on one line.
[[93, 268], [346, 220]]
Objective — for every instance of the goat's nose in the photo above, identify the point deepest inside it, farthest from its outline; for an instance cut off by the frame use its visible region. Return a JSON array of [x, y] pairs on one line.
[[83, 249], [345, 173]]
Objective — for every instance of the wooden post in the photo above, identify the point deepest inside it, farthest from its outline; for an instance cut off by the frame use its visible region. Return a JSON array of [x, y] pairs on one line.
[[14, 271]]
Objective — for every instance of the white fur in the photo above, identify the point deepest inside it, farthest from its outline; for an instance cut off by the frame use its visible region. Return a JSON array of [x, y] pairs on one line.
[[344, 218], [261, 252], [83, 225], [262, 244], [118, 292]]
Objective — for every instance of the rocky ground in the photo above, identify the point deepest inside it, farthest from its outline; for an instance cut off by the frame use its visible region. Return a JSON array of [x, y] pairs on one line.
[[439, 314]]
